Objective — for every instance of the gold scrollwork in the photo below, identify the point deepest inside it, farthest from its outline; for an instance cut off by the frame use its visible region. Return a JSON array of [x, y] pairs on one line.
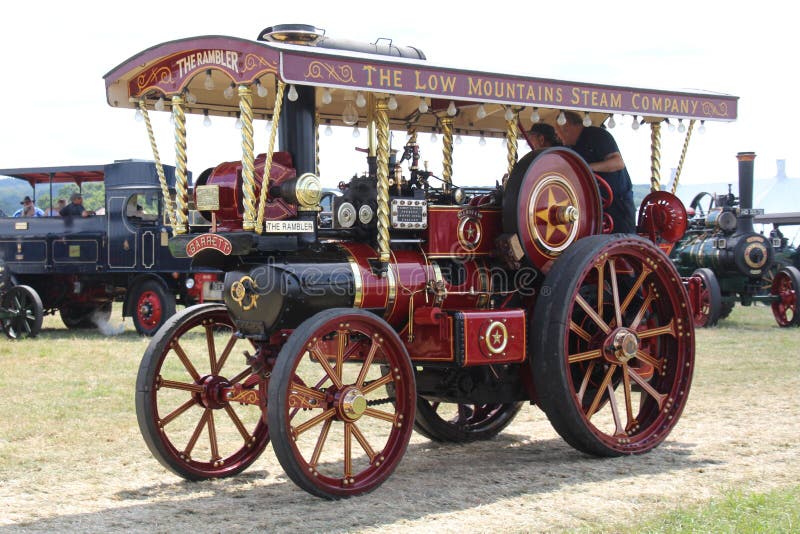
[[246, 396], [342, 73], [711, 110], [160, 75], [254, 61], [243, 288]]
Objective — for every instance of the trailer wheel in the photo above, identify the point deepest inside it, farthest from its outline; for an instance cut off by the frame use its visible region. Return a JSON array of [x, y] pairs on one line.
[[613, 346], [334, 429], [460, 423], [152, 307], [76, 317], [785, 286], [21, 312], [197, 399], [710, 309]]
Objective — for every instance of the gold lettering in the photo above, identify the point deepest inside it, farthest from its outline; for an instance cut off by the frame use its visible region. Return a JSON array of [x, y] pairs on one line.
[[368, 69], [418, 86]]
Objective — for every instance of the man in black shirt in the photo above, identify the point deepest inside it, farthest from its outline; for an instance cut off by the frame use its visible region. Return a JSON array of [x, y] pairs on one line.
[[75, 207], [598, 148]]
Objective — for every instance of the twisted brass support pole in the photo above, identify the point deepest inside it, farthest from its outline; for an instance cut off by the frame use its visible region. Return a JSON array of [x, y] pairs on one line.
[[162, 180], [655, 156], [511, 142], [248, 159], [276, 117], [382, 122], [181, 181], [447, 153], [683, 156]]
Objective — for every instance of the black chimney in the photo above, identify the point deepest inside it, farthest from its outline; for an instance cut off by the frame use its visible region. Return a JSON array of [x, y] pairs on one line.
[[746, 165]]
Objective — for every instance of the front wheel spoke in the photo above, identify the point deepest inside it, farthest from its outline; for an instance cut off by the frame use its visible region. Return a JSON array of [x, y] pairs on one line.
[[581, 333], [585, 382], [176, 346], [197, 430], [342, 336], [225, 353], [362, 440], [583, 356], [212, 349], [241, 376], [323, 362], [172, 384], [375, 384], [212, 437], [380, 414], [649, 359], [658, 397], [592, 313], [177, 412], [323, 436], [619, 430], [362, 375], [668, 328], [314, 421], [237, 422], [600, 392]]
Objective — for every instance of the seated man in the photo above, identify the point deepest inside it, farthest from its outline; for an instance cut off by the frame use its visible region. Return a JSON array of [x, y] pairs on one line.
[[28, 209], [75, 207], [597, 146]]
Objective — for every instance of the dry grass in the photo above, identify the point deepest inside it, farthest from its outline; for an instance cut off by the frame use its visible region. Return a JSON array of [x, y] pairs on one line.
[[72, 458]]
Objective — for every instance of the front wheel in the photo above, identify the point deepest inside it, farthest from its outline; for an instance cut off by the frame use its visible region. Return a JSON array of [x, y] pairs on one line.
[[709, 309], [198, 402], [152, 307], [613, 346], [341, 403], [785, 288], [21, 312]]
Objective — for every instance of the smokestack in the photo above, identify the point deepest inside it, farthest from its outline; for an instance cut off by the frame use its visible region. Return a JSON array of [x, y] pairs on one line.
[[746, 165]]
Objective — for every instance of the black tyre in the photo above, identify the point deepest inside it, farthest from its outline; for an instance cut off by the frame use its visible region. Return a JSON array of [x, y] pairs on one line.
[[460, 423], [24, 308], [152, 306], [710, 306]]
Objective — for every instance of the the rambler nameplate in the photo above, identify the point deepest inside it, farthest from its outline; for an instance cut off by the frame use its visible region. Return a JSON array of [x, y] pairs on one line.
[[278, 227]]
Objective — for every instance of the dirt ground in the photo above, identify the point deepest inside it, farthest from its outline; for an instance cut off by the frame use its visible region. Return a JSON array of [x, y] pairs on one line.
[[739, 430]]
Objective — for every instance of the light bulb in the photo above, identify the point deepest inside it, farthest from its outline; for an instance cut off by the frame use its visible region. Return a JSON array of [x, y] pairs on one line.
[[482, 140], [228, 92], [681, 127], [328, 129], [190, 97], [206, 119], [670, 126], [481, 113], [434, 138], [451, 109], [293, 96], [238, 123], [535, 116], [361, 101], [702, 128], [587, 120], [350, 114], [635, 123], [356, 132], [392, 103], [139, 116], [458, 140], [159, 104], [611, 121], [509, 116], [423, 105], [562, 119], [327, 98], [208, 83], [260, 89], [268, 125]]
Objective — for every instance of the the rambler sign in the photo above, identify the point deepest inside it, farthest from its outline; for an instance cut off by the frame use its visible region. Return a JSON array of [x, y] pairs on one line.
[[288, 226], [208, 241]]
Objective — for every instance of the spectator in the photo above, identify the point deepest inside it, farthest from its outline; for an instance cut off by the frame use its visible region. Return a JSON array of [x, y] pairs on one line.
[[28, 209], [54, 211], [543, 135], [75, 207]]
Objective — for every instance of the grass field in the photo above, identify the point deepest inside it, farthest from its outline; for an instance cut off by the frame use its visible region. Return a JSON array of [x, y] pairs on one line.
[[72, 457]]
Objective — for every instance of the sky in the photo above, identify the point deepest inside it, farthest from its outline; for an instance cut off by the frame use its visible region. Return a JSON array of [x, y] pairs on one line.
[[56, 53]]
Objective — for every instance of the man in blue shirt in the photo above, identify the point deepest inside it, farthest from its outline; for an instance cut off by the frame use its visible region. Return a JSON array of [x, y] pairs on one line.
[[28, 209], [598, 147]]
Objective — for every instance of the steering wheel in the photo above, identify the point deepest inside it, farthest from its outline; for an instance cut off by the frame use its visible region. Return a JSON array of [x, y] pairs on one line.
[[605, 191]]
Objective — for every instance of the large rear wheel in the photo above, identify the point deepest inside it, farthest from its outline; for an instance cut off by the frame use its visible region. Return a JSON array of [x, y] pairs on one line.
[[198, 402], [341, 403], [613, 346]]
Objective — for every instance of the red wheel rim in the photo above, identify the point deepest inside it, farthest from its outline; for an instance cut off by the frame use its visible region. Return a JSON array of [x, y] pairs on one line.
[[149, 309], [202, 409], [784, 308], [629, 347], [347, 433], [558, 204]]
